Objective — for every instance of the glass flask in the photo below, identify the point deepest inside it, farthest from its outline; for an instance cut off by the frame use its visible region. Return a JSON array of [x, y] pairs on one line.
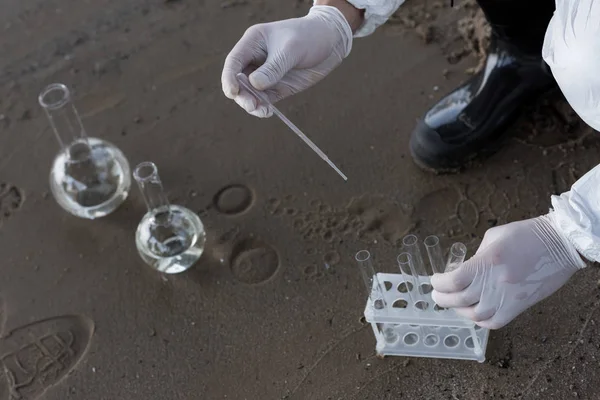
[[90, 177], [169, 238]]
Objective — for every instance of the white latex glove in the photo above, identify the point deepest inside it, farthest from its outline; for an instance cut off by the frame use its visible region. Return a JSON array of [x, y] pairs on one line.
[[290, 56], [516, 266]]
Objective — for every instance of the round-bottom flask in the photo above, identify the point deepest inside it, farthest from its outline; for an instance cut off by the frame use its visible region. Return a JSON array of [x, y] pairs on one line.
[[91, 178], [169, 238]]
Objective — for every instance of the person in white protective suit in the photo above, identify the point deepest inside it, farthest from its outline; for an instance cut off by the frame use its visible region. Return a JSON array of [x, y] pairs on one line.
[[536, 45]]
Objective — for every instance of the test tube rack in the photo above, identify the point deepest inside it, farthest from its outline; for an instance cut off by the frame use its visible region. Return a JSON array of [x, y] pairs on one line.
[[404, 327], [407, 322]]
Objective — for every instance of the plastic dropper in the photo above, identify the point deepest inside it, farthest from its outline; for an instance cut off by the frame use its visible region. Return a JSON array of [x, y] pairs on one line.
[[243, 79]]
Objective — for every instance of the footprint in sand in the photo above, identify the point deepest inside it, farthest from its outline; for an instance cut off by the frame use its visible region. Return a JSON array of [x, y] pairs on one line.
[[375, 216], [494, 209], [367, 217], [37, 356], [11, 200], [253, 261], [447, 212], [233, 199], [565, 174]]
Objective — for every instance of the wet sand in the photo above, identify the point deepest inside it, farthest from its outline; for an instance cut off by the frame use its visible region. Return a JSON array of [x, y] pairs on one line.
[[273, 310]]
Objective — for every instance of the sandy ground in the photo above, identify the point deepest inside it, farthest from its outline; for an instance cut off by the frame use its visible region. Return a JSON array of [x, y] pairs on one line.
[[273, 310]]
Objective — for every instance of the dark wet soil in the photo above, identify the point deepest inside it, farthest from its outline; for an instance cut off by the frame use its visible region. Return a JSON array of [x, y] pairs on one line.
[[273, 309]]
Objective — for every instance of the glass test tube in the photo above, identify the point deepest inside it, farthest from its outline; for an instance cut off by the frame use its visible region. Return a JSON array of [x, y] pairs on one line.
[[434, 252], [476, 343], [406, 268], [410, 244], [374, 288], [389, 334], [457, 255], [415, 296]]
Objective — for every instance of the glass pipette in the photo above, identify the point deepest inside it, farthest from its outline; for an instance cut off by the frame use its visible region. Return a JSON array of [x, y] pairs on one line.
[[243, 79]]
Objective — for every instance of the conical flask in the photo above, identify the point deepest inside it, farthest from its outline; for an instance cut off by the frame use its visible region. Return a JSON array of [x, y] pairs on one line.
[[90, 177]]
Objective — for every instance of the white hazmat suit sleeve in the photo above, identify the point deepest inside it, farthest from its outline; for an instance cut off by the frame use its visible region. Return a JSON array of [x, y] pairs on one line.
[[572, 50], [577, 214], [377, 12]]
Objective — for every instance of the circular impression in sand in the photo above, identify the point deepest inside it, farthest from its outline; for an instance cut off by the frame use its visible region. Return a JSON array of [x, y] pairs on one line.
[[254, 261], [233, 199]]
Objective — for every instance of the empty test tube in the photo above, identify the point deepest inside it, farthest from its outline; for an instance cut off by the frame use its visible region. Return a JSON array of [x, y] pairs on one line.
[[406, 267], [416, 298], [374, 288], [389, 334], [457, 255], [476, 343], [434, 252], [410, 244]]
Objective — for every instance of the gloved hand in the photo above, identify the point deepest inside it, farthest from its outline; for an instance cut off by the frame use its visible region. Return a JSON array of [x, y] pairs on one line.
[[516, 266], [290, 56]]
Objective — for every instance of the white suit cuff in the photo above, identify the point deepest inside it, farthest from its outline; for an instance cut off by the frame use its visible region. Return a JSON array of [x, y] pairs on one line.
[[577, 214], [377, 12]]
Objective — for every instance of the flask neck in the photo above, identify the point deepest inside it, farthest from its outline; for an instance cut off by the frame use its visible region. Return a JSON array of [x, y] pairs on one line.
[[146, 175], [65, 122]]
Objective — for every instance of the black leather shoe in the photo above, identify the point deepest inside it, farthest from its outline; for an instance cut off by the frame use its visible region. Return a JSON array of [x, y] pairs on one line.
[[470, 121]]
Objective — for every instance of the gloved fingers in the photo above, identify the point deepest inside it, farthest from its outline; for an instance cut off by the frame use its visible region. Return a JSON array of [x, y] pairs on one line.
[[464, 298], [250, 49], [247, 101], [457, 280], [496, 322], [490, 312], [272, 71], [279, 92], [252, 105], [476, 313], [262, 112]]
